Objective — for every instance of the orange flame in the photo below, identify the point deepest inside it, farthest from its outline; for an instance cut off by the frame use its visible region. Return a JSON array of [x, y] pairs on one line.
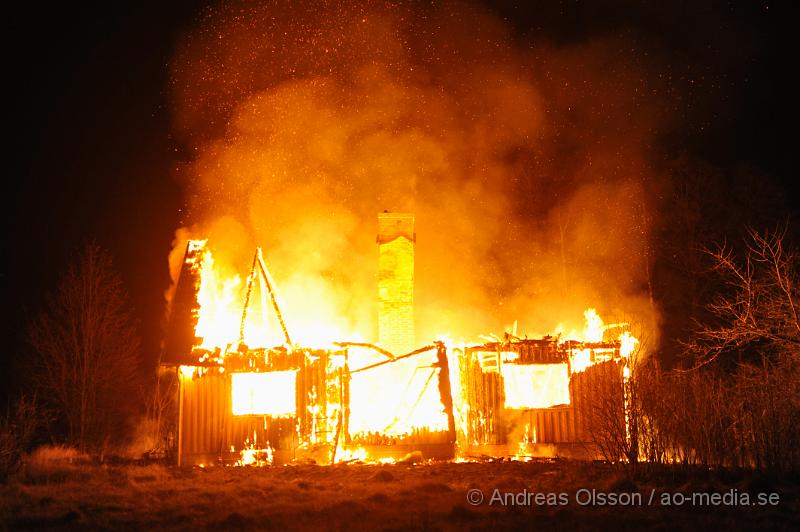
[[395, 399]]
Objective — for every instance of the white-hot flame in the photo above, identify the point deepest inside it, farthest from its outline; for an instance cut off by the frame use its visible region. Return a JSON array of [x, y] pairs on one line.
[[270, 393], [628, 344], [594, 326]]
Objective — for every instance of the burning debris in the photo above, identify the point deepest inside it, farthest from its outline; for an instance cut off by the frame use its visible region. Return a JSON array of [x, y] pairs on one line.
[[301, 121], [244, 401]]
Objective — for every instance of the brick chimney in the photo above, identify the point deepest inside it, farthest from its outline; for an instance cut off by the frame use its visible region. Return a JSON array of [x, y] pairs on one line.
[[396, 282]]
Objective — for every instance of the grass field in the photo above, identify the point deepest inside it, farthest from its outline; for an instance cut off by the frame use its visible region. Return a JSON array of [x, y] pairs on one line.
[[390, 497]]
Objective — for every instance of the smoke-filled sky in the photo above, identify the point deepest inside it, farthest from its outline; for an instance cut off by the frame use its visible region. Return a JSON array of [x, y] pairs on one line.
[[528, 164], [536, 143]]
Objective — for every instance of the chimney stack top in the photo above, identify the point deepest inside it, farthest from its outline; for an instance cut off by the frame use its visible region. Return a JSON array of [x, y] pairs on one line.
[[392, 225]]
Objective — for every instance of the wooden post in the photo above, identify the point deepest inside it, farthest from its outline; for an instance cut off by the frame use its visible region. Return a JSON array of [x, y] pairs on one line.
[[339, 418], [345, 398], [180, 415], [445, 392]]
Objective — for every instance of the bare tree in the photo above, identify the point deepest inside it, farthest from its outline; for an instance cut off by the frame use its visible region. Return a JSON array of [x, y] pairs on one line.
[[759, 308], [88, 352], [752, 405]]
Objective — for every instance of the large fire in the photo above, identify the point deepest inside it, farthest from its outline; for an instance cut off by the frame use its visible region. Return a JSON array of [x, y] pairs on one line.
[[525, 169], [234, 310], [389, 398]]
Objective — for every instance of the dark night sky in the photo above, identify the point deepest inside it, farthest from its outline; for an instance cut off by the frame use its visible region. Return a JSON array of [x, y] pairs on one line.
[[92, 150]]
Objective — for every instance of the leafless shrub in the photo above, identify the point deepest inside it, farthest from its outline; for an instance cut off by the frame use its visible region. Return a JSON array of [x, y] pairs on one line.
[[706, 435], [622, 397], [650, 410], [739, 403], [706, 416], [17, 429], [604, 411], [162, 415], [767, 409]]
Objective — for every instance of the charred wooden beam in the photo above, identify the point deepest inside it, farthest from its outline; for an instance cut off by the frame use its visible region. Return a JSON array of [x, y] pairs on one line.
[[339, 419], [445, 393], [407, 355], [374, 347], [251, 278], [270, 288], [344, 399]]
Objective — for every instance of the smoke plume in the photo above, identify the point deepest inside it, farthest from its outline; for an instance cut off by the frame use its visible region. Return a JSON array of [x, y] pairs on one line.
[[525, 162]]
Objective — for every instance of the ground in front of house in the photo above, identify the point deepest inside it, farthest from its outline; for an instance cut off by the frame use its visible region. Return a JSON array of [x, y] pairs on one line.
[[446, 496]]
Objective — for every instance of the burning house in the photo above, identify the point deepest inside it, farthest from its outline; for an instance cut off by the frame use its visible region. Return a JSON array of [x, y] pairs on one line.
[[242, 400], [535, 397]]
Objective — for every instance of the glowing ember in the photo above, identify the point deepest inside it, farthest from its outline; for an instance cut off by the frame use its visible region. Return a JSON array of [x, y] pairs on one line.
[[358, 454], [522, 447], [251, 456]]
